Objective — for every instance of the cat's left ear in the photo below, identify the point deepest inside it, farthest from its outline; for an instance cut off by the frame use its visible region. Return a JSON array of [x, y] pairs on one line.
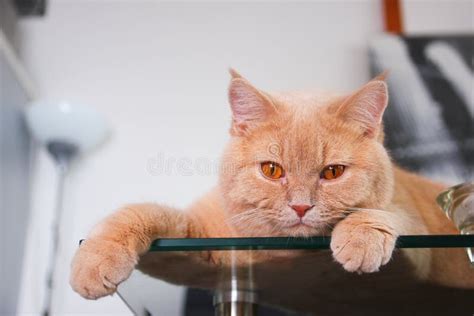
[[366, 106]]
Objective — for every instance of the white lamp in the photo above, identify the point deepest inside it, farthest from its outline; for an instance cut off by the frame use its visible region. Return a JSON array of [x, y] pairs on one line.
[[76, 127], [66, 130]]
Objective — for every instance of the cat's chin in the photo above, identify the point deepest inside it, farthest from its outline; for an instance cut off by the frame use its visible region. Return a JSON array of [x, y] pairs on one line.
[[299, 229], [302, 230]]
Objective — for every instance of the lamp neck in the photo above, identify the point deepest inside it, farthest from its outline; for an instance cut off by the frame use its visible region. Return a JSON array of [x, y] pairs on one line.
[[63, 153]]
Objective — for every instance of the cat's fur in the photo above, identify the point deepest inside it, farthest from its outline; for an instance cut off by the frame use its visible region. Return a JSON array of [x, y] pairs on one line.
[[364, 210]]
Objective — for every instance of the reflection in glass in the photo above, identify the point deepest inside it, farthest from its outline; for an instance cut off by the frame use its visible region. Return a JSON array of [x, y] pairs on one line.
[[458, 204]]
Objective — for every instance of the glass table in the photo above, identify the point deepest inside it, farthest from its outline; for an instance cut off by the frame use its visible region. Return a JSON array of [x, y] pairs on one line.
[[299, 274], [290, 273]]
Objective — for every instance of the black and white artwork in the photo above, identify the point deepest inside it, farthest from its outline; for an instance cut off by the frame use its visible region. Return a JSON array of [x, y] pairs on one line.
[[429, 122]]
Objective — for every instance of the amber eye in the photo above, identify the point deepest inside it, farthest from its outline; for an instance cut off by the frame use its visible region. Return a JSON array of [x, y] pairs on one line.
[[272, 170], [332, 172]]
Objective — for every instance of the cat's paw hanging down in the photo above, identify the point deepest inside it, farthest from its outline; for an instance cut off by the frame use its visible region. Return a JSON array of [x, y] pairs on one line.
[[111, 251], [363, 243], [99, 266]]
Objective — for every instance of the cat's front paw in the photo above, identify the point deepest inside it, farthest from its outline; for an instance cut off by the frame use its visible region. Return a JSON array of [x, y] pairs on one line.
[[362, 246], [99, 266]]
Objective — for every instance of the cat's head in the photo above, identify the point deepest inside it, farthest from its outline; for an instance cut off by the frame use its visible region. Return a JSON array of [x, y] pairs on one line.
[[296, 162]]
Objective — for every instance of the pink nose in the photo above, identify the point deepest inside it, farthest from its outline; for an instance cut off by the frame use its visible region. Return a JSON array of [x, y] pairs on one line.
[[301, 209]]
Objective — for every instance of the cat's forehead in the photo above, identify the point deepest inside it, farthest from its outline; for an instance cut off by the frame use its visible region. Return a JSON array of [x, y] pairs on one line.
[[304, 114], [305, 100], [305, 128]]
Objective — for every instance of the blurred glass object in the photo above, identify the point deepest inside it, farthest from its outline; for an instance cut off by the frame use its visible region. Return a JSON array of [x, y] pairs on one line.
[[458, 204]]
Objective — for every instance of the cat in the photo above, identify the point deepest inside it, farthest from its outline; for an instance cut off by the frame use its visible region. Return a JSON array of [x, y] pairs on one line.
[[297, 164]]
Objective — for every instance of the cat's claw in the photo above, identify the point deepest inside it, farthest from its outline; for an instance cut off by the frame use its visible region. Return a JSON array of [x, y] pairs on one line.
[[362, 247], [99, 266]]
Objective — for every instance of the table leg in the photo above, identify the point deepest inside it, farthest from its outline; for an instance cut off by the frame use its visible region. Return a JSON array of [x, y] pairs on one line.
[[235, 303]]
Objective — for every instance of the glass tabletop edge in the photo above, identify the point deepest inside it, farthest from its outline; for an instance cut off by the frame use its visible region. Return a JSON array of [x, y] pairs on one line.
[[288, 243]]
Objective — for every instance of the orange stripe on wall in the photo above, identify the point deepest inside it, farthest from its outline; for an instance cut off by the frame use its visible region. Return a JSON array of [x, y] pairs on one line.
[[393, 16]]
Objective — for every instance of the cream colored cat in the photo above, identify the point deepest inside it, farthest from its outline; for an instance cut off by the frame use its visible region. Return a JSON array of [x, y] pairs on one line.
[[296, 165]]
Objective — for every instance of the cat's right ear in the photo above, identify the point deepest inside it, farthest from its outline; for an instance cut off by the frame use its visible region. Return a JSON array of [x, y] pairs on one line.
[[249, 106]]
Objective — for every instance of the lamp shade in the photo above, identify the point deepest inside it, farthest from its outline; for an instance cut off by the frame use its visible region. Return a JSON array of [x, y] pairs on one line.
[[75, 124]]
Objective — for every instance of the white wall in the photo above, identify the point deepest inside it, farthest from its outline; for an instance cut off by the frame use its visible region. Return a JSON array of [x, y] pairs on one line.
[[438, 16], [158, 71]]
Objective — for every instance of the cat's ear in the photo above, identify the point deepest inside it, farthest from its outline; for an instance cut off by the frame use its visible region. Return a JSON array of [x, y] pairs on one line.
[[366, 106], [381, 76], [249, 106], [235, 74]]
